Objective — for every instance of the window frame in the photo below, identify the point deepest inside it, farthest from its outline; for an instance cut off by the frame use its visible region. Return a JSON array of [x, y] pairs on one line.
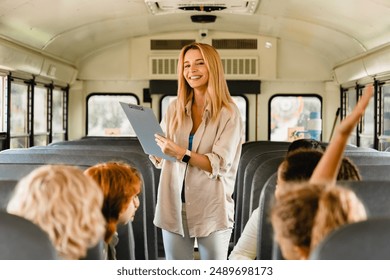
[[358, 91], [303, 95], [31, 86], [93, 94], [382, 139]]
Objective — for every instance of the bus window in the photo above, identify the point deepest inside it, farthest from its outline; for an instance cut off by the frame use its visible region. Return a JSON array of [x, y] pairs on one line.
[[241, 102], [105, 116], [366, 130], [3, 112], [363, 136], [58, 115], [384, 138], [40, 116], [3, 83], [165, 101], [350, 102], [289, 116], [19, 117]]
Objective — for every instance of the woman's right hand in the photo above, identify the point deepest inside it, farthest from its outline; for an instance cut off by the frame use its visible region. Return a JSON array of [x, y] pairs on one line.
[[169, 147]]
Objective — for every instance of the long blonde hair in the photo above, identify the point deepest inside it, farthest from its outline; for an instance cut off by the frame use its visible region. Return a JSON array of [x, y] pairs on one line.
[[217, 95], [65, 203]]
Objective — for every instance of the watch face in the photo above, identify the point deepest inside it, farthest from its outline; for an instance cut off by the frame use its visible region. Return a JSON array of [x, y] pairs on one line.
[[186, 158]]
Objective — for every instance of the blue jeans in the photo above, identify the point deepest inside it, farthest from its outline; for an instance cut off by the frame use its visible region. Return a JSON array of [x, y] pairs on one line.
[[212, 247]]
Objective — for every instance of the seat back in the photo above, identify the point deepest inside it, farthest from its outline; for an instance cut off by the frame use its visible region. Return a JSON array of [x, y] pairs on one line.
[[265, 232], [102, 141], [250, 150], [373, 165], [125, 249], [95, 252], [15, 171], [21, 239], [6, 190], [144, 229], [375, 196], [366, 240], [260, 178], [246, 191]]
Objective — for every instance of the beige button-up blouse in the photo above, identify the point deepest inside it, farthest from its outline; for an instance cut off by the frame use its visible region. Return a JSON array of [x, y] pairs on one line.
[[209, 204]]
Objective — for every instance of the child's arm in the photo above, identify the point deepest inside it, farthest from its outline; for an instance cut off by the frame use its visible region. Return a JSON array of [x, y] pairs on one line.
[[328, 167]]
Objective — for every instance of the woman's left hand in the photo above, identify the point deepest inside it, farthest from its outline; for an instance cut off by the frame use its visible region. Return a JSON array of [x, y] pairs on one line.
[[169, 147]]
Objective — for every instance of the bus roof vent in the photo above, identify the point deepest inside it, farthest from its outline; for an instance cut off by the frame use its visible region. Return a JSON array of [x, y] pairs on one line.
[[157, 7], [157, 45], [235, 44], [239, 67], [163, 67]]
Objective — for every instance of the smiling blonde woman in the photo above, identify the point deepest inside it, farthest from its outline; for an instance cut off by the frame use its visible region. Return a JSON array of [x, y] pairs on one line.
[[204, 132]]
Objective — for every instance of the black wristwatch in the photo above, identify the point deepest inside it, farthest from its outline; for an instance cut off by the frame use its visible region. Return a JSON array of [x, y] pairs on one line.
[[187, 156]]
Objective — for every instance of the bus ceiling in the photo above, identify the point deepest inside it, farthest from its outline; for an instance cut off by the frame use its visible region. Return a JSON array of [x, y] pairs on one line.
[[56, 36]]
